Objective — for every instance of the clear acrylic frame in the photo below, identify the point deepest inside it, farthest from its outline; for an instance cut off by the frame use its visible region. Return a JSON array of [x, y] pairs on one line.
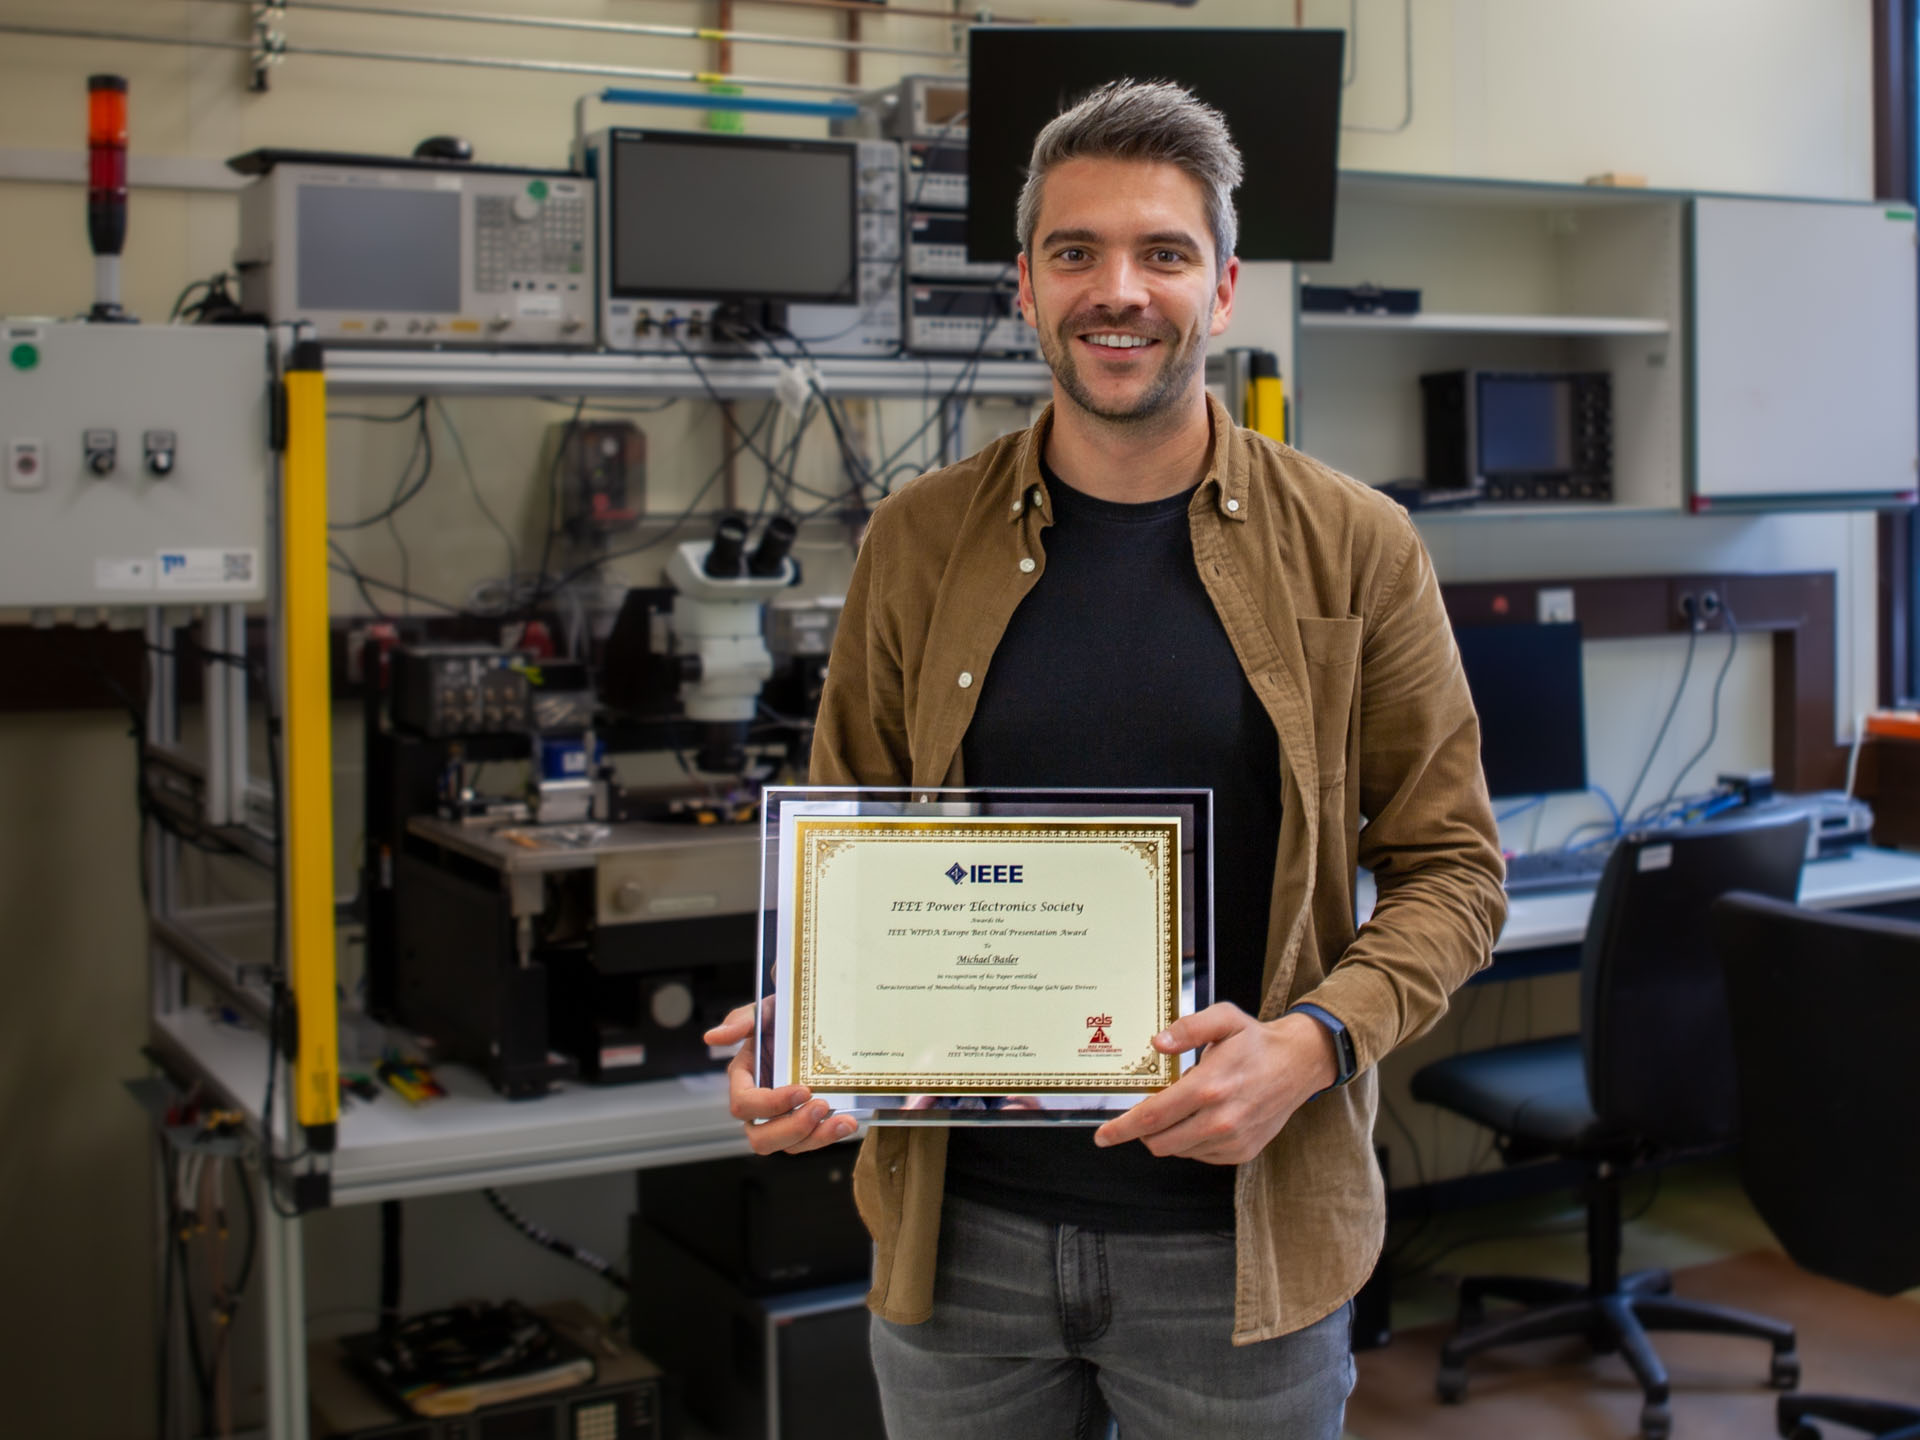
[[851, 965]]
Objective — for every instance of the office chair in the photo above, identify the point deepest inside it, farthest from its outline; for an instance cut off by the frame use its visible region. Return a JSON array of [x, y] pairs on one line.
[[1649, 1077], [1823, 1008]]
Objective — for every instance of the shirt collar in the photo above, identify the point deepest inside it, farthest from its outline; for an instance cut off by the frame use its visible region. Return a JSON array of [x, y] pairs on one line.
[[1029, 490], [1227, 468]]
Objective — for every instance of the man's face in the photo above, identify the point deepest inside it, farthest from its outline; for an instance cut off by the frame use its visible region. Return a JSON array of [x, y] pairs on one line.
[[1121, 286]]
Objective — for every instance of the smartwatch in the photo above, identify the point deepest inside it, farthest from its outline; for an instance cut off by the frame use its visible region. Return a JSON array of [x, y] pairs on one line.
[[1344, 1060]]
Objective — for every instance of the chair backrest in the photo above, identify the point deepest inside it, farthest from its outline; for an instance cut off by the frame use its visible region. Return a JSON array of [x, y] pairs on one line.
[[1825, 1009], [1653, 1007]]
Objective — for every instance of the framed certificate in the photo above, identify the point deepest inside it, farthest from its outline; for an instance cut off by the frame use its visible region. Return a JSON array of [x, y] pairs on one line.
[[981, 955]]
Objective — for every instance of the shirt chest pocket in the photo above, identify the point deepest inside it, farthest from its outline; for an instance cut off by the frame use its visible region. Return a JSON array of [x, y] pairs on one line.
[[1332, 649]]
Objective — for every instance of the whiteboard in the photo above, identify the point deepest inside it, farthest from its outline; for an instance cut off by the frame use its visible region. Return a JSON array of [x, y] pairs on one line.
[[1804, 350]]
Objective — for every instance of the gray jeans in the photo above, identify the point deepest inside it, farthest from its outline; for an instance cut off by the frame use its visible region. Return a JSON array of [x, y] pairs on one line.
[[1046, 1332]]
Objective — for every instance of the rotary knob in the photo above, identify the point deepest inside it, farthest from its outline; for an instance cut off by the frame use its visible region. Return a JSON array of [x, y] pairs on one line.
[[672, 1005], [629, 898], [525, 207]]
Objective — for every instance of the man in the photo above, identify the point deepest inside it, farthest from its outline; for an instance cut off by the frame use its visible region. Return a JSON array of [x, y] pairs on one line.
[[1134, 593]]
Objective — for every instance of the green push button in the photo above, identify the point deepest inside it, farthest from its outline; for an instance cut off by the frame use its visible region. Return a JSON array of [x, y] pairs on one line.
[[538, 189], [25, 355]]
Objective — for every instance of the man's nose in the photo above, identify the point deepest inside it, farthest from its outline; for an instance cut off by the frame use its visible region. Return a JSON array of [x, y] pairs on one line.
[[1120, 284]]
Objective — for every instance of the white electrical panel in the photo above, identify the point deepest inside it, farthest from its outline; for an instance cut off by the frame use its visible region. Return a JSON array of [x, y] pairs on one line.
[[137, 461]]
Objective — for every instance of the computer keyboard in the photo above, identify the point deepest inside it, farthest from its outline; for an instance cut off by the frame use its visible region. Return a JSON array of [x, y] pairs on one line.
[[1545, 870]]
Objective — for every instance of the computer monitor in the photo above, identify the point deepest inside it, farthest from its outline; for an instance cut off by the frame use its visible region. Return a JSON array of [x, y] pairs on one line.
[[1278, 88], [1526, 685], [721, 217]]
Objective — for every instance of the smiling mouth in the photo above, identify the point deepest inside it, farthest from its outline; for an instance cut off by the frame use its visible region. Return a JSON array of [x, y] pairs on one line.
[[1116, 342]]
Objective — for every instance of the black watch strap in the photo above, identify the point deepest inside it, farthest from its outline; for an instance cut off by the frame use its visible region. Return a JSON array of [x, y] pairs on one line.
[[1346, 1063]]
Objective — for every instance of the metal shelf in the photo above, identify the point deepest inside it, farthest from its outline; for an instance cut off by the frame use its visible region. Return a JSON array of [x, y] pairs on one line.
[[595, 372], [1442, 323], [390, 1150]]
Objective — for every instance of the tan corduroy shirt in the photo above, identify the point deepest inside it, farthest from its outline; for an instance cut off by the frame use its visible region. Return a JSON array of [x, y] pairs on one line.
[[1331, 604]]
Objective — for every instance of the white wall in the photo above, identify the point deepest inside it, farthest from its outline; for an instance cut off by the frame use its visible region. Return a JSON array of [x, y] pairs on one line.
[[1765, 96]]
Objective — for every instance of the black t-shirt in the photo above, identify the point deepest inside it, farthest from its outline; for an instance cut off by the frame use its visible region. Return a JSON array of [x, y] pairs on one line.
[[1115, 671]]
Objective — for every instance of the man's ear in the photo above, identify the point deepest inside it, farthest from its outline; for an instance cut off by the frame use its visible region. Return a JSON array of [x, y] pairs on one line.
[[1223, 295], [1028, 309]]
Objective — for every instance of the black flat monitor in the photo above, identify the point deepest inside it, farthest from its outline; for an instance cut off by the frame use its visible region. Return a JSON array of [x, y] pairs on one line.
[[1526, 685], [1279, 90], [723, 217]]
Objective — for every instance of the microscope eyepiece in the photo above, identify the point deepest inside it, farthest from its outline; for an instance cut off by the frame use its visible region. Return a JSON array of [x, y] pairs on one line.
[[729, 542], [775, 541]]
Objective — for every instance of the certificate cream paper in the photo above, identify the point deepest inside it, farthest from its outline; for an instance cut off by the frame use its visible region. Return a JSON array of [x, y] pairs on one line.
[[984, 956]]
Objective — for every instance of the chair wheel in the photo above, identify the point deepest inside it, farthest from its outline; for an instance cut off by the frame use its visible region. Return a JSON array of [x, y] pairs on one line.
[[1784, 1374], [1656, 1422], [1451, 1384]]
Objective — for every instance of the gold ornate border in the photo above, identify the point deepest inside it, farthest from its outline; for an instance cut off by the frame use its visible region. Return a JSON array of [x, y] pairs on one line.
[[1155, 840]]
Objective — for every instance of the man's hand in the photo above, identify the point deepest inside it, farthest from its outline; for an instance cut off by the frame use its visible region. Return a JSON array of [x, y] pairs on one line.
[[1250, 1079], [795, 1121]]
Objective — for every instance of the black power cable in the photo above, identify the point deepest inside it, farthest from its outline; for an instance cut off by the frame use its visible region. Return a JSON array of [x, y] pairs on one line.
[[408, 487], [547, 1240]]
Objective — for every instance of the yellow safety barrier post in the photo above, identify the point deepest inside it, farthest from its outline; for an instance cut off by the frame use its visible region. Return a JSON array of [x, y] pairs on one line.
[[1266, 397], [307, 812]]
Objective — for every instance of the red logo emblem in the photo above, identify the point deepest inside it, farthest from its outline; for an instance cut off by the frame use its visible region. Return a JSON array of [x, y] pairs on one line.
[[1098, 1024]]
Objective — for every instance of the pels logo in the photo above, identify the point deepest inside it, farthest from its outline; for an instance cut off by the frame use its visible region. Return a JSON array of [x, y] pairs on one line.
[[986, 874], [1098, 1024]]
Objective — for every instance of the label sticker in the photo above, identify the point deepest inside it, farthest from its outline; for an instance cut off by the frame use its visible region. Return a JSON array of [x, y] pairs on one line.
[[207, 570], [617, 1056], [540, 307], [130, 573], [1656, 857]]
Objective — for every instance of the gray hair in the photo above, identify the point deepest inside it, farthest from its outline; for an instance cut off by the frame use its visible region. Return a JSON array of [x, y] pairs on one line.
[[1141, 120]]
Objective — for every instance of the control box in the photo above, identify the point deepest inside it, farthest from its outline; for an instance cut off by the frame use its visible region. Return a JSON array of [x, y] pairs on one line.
[[962, 319], [137, 464], [444, 690], [936, 175], [937, 250]]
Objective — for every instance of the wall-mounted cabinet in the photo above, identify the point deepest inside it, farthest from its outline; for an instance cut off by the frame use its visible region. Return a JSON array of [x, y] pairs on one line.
[[1805, 362], [1656, 288]]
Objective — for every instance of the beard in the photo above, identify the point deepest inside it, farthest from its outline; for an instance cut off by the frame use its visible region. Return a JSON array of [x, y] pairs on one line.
[[1164, 391]]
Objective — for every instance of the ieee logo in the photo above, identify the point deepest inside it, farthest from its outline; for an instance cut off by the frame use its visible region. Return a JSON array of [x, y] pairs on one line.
[[170, 563], [986, 874]]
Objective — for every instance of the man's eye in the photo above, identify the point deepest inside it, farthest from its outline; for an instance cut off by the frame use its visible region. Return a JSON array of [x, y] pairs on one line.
[[1167, 257], [1073, 254]]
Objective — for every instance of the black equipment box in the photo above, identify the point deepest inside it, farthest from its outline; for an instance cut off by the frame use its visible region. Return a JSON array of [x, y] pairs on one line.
[[626, 1400], [767, 1223], [1358, 300], [1520, 435], [544, 955], [787, 1367], [441, 690]]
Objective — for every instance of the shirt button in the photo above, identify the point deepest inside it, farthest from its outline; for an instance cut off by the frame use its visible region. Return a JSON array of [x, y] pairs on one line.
[[1233, 505], [1016, 507], [1026, 566], [1039, 496], [966, 678]]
